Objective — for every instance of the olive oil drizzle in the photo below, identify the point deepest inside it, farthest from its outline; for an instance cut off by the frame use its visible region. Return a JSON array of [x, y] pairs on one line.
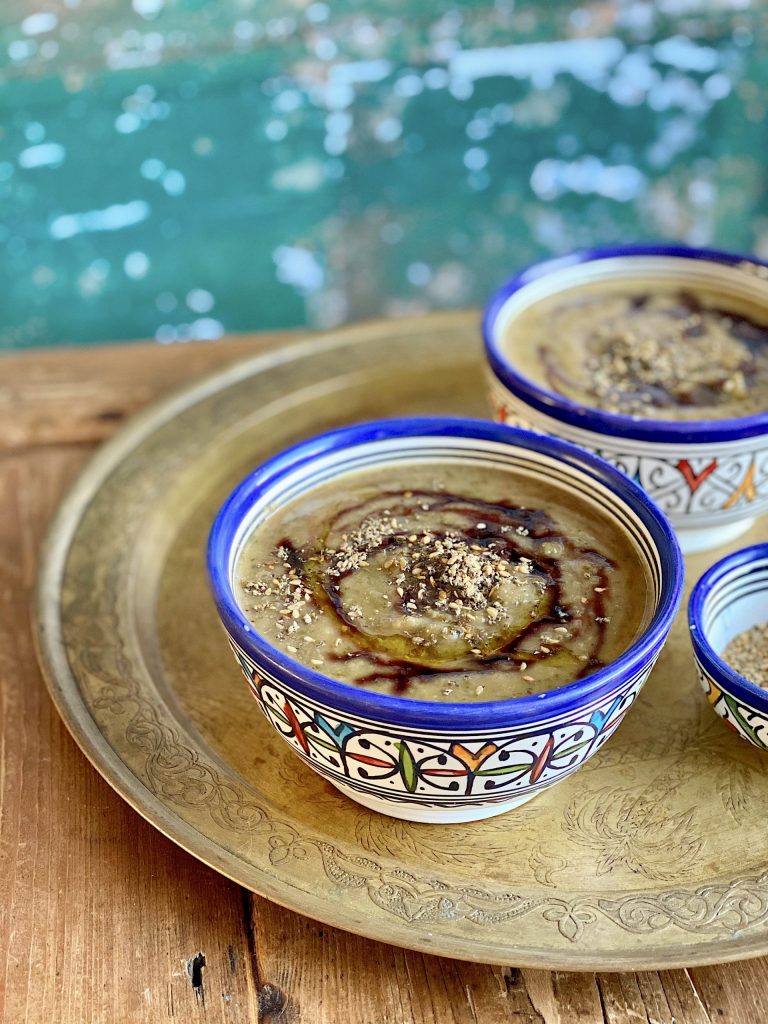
[[516, 532]]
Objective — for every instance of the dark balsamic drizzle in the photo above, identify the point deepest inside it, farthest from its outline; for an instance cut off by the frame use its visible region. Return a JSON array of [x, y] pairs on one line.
[[753, 335], [502, 521]]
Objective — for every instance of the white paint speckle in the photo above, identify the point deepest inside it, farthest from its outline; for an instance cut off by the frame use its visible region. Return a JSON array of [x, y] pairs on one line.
[[136, 265], [304, 176], [685, 55], [276, 130], [388, 129], [475, 158], [148, 8], [21, 49], [298, 267], [418, 274], [113, 218], [199, 300], [587, 175], [206, 329], [47, 154], [317, 13], [128, 122], [152, 169], [585, 59], [174, 183], [41, 21]]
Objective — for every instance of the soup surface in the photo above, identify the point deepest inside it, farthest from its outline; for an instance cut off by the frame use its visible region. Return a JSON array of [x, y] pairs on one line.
[[646, 349], [445, 582]]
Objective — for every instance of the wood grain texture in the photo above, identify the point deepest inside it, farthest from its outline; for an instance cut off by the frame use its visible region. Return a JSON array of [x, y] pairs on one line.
[[82, 395], [101, 916]]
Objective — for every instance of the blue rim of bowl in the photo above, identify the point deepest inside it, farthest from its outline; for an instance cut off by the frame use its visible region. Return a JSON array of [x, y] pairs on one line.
[[344, 697], [597, 420], [711, 662]]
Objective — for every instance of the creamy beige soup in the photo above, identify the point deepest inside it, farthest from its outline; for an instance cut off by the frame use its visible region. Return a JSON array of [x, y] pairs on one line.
[[645, 349], [444, 582]]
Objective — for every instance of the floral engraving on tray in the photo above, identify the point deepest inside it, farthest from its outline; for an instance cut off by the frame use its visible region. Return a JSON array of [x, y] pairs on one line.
[[634, 831]]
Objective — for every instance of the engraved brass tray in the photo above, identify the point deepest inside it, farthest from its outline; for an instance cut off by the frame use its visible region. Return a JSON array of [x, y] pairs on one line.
[[653, 855]]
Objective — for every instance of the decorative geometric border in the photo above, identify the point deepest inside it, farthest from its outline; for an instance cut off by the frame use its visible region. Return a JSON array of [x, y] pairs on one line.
[[748, 722], [449, 769], [696, 485]]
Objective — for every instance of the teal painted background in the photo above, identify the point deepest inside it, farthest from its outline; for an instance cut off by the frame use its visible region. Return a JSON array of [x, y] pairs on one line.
[[178, 168]]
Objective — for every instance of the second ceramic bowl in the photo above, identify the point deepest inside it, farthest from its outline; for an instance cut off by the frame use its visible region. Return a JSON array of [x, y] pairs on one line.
[[710, 477]]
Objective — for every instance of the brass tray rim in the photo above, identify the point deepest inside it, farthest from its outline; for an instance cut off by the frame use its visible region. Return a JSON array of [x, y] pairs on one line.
[[74, 712]]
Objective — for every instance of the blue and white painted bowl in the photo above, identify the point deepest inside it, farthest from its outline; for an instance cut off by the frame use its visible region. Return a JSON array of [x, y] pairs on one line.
[[709, 476], [421, 760], [729, 598]]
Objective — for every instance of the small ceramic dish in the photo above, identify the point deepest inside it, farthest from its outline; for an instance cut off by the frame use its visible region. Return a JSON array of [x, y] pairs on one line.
[[709, 476], [730, 598], [422, 760]]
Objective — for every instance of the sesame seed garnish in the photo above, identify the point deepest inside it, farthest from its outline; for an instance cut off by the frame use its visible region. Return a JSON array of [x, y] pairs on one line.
[[666, 350], [747, 653]]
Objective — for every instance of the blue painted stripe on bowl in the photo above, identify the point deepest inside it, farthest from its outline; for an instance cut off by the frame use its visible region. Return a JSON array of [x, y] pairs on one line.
[[558, 406], [737, 566], [733, 588], [429, 714]]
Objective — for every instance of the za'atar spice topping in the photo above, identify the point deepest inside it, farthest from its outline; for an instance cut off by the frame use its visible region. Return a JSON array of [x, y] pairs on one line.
[[648, 349], [747, 653]]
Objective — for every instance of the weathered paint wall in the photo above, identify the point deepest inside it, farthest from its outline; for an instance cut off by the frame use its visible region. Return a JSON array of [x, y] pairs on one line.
[[178, 168]]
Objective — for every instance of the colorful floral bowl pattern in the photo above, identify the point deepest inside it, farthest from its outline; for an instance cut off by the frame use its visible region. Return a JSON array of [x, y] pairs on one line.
[[710, 477], [427, 761], [729, 598]]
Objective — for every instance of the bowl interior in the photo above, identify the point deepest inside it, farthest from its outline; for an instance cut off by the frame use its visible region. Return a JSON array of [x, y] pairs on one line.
[[741, 290], [721, 273], [736, 602], [339, 464]]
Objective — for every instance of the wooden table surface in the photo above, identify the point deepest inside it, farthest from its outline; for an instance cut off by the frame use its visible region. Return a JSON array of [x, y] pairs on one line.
[[102, 919]]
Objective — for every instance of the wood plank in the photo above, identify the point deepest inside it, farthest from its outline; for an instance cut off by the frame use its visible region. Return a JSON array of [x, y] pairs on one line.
[[309, 973], [732, 993], [312, 974], [101, 917], [67, 396], [560, 997]]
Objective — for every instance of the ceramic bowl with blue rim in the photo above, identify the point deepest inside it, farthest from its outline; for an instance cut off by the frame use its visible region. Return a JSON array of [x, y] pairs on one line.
[[729, 599], [709, 476], [434, 761]]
